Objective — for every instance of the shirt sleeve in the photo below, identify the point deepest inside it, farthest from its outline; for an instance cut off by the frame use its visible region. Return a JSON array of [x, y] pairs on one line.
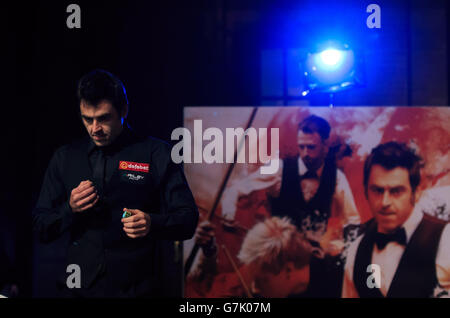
[[179, 217], [52, 215], [343, 205]]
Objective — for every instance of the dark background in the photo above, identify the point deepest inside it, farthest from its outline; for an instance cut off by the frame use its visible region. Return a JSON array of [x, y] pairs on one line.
[[172, 54]]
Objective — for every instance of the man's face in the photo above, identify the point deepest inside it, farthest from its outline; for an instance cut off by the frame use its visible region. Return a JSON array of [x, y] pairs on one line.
[[390, 197], [102, 122], [289, 281], [312, 149]]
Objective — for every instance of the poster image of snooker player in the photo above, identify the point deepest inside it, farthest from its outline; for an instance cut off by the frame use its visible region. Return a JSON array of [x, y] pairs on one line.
[[248, 195]]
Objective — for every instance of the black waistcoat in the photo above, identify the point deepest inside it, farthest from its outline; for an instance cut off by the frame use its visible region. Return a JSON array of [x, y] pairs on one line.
[[416, 272], [291, 201]]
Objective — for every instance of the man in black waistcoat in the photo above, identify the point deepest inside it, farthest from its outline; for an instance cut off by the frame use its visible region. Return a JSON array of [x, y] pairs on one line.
[[313, 189], [90, 185], [403, 252]]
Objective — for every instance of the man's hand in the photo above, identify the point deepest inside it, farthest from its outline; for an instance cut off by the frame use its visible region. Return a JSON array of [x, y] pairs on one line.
[[204, 236], [83, 197], [136, 225]]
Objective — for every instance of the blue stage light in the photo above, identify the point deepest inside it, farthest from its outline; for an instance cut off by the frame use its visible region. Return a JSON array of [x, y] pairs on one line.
[[331, 57], [330, 70]]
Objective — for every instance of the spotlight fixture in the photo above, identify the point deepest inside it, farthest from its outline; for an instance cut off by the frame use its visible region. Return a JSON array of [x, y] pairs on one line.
[[330, 69]]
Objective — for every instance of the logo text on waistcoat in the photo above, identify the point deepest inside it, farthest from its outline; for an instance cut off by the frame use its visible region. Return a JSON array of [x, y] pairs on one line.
[[134, 166]]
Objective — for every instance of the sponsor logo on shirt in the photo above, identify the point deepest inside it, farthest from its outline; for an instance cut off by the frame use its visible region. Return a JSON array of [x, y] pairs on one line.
[[134, 177], [134, 166]]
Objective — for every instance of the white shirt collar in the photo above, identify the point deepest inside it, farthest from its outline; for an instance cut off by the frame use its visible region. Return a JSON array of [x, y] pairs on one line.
[[410, 225], [302, 169]]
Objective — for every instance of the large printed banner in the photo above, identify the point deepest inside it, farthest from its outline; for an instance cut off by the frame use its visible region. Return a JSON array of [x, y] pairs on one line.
[[219, 170]]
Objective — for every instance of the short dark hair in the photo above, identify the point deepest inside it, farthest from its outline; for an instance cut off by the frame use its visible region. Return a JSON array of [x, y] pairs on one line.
[[99, 85], [315, 124], [391, 155]]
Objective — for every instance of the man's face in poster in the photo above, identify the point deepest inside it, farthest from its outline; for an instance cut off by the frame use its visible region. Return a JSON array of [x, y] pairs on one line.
[[390, 197], [312, 149]]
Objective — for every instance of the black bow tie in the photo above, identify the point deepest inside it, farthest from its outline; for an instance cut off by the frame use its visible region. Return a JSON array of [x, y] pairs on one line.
[[398, 236]]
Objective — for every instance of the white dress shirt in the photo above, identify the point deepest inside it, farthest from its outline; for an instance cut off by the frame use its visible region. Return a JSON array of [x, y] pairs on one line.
[[389, 258]]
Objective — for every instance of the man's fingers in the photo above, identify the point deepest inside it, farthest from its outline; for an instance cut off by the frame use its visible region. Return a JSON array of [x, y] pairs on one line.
[[138, 234], [90, 205], [132, 219], [133, 225], [84, 194], [203, 239], [87, 200], [206, 228], [135, 231], [83, 186], [134, 211], [77, 196], [79, 188], [83, 197], [140, 230], [206, 232], [135, 235], [206, 223]]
